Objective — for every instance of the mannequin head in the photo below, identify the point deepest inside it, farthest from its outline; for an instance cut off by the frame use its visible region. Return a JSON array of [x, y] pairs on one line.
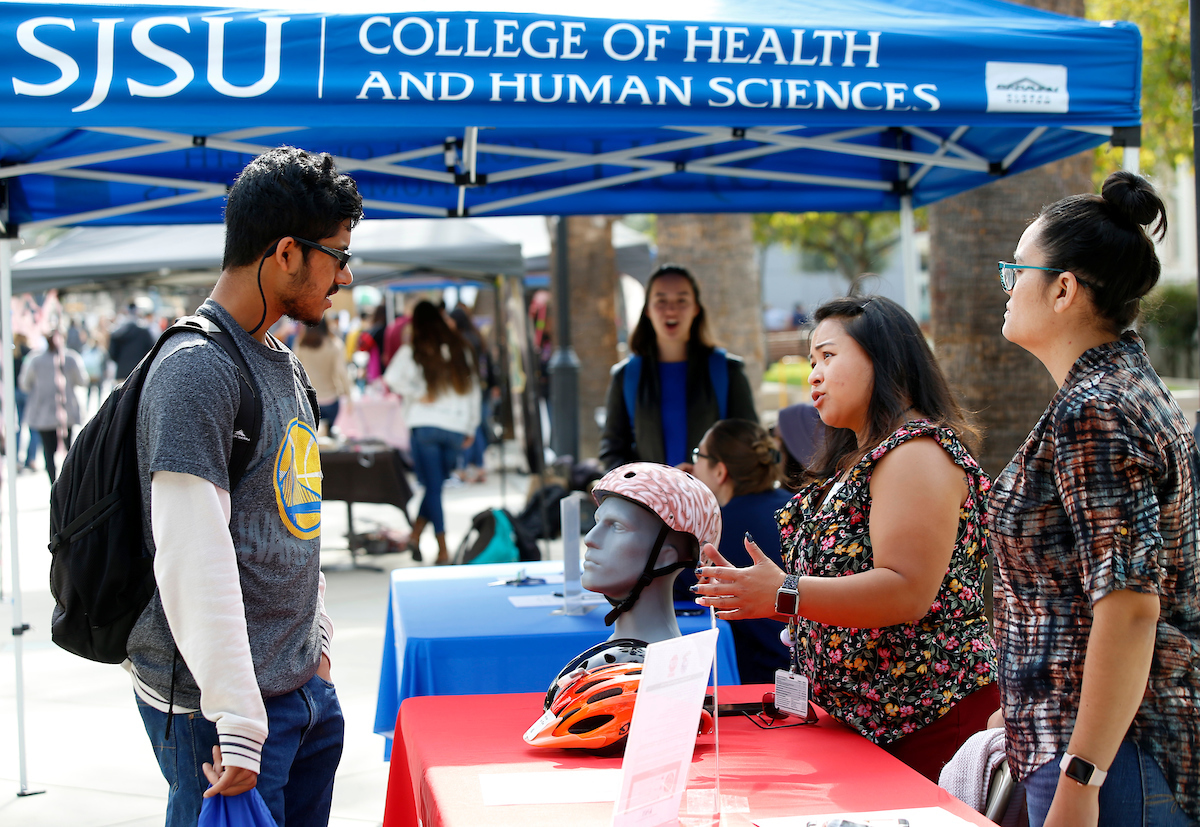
[[618, 546], [650, 523]]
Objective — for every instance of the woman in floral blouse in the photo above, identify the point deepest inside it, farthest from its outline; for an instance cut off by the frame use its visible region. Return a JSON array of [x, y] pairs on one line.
[[884, 546], [1094, 527]]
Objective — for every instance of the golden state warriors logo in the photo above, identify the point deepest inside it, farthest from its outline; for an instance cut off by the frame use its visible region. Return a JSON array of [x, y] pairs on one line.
[[298, 481]]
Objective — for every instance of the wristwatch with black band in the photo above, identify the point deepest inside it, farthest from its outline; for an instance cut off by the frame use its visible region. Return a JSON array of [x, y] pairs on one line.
[[787, 599], [1082, 771]]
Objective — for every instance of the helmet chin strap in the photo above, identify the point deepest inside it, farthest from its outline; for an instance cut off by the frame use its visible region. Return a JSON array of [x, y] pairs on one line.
[[648, 575]]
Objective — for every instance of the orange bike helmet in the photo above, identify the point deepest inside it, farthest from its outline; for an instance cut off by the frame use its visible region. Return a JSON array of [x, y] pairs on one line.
[[621, 650], [681, 501], [594, 711]]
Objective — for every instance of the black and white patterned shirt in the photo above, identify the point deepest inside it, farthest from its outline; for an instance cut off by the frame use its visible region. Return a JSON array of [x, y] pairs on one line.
[[1101, 497]]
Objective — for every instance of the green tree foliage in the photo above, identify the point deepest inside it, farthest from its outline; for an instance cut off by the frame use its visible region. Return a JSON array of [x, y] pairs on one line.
[[855, 245], [1169, 322], [1166, 78]]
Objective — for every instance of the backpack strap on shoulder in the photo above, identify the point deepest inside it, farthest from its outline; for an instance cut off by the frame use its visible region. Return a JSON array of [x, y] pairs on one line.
[[247, 424], [718, 374], [632, 377]]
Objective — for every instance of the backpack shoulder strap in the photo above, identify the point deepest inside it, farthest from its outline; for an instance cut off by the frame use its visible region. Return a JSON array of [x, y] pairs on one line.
[[247, 424], [718, 374], [632, 376]]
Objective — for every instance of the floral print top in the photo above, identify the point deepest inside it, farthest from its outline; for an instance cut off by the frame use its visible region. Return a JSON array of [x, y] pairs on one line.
[[890, 682]]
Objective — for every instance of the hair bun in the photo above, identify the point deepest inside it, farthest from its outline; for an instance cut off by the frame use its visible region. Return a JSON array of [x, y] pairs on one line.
[[1134, 198]]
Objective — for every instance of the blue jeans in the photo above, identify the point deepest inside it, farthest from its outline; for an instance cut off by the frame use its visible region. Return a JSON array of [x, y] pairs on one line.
[[435, 453], [299, 758], [474, 454], [35, 441], [1134, 793], [329, 413]]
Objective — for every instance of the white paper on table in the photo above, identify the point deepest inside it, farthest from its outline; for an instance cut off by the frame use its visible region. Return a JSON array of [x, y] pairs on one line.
[[915, 816], [554, 787], [533, 601], [662, 736]]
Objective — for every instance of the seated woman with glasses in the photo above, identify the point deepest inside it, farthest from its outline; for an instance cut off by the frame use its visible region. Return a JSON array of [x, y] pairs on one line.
[[740, 462], [883, 547]]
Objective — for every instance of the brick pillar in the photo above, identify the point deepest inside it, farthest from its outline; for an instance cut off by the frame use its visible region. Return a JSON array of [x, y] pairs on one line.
[[1003, 384]]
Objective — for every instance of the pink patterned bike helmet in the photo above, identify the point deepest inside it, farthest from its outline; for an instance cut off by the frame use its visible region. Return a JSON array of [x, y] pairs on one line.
[[681, 501]]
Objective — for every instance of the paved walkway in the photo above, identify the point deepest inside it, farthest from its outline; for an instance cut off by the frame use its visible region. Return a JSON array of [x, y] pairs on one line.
[[84, 739]]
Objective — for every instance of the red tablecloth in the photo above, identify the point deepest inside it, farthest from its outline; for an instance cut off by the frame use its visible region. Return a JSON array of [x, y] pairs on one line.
[[444, 743]]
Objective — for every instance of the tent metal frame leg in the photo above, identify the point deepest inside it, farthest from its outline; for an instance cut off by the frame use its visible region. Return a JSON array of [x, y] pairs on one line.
[[19, 627]]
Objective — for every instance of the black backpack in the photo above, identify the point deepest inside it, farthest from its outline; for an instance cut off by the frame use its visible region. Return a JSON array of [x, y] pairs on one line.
[[101, 574]]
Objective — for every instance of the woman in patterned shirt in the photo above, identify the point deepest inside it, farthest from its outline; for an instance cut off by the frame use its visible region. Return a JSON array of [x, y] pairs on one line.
[[884, 544], [1093, 526]]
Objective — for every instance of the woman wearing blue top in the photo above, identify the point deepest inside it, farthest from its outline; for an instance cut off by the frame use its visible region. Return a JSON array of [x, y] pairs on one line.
[[681, 382], [740, 462]]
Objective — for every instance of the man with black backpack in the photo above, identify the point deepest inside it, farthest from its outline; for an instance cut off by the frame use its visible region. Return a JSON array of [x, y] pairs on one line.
[[230, 659]]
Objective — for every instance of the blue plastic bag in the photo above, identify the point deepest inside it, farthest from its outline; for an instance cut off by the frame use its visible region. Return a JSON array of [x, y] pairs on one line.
[[244, 810]]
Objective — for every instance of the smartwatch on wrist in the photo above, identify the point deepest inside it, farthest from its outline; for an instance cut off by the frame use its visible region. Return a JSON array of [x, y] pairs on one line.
[[1082, 771], [787, 599]]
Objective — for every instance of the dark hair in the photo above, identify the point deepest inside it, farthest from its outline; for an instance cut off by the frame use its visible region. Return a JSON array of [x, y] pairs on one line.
[[444, 356], [314, 335], [643, 341], [282, 192], [750, 454], [906, 375], [1103, 240]]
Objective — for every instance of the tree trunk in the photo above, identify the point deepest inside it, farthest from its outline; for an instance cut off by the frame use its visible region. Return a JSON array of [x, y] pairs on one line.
[[1004, 385], [719, 250], [592, 265]]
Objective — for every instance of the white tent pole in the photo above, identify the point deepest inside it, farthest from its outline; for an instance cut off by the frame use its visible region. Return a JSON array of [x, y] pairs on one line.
[[1131, 162], [19, 627], [908, 256]]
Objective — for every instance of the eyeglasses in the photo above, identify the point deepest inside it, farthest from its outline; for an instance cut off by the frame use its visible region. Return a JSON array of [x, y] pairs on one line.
[[343, 256], [696, 455], [1008, 273]]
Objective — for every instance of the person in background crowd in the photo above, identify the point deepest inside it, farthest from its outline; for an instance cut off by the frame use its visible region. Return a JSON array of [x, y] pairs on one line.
[[802, 433], [436, 377], [393, 337], [739, 461], [471, 462], [370, 341], [95, 361], [49, 379], [33, 443], [884, 546], [323, 357], [675, 399], [130, 342], [1094, 527], [76, 335], [543, 340]]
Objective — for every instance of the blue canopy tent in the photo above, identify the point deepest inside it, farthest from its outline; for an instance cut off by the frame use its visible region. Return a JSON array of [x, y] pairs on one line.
[[144, 114]]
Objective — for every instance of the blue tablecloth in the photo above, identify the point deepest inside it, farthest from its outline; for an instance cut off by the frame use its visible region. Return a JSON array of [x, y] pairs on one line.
[[449, 633]]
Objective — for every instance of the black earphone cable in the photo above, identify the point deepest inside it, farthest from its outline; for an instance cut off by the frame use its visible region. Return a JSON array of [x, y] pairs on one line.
[[261, 294]]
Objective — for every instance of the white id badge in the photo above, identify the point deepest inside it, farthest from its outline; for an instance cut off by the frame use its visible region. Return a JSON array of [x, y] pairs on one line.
[[791, 693], [538, 725]]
